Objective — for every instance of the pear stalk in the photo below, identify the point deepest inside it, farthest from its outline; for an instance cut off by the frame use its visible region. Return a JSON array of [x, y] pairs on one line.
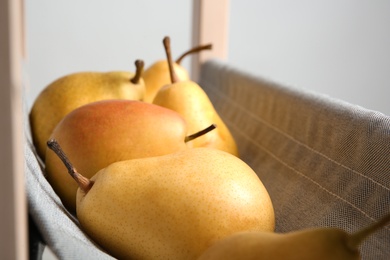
[[84, 183], [354, 240], [139, 65], [167, 46], [200, 133], [194, 50]]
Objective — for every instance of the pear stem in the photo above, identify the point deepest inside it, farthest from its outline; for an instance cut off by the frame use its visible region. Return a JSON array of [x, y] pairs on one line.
[[194, 50], [200, 133], [84, 183], [139, 65], [355, 239], [167, 46]]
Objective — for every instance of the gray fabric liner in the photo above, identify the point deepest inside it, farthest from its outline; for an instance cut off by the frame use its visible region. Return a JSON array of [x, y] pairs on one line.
[[325, 162]]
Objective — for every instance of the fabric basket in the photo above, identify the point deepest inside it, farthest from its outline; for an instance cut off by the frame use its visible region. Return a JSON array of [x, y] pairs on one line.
[[324, 162]]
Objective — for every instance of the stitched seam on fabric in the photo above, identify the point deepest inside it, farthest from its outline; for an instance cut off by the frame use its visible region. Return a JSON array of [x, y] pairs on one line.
[[302, 174], [295, 140]]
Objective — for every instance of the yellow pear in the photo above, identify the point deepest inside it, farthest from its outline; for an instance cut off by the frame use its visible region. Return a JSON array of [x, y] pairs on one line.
[[102, 132], [157, 75], [191, 101], [307, 244], [170, 207], [74, 90]]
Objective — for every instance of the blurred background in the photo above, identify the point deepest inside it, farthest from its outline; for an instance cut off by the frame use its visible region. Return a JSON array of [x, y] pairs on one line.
[[338, 48]]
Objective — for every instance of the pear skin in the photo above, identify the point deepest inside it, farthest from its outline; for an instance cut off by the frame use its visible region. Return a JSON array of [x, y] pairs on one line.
[[157, 75], [74, 90], [307, 244], [100, 133], [191, 101], [173, 206]]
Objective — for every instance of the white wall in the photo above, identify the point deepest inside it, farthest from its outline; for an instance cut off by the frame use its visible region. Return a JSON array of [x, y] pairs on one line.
[[97, 35], [340, 48], [337, 47]]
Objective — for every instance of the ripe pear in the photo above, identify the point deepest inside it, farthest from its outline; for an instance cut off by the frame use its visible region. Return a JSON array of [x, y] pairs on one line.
[[307, 244], [157, 75], [74, 90], [100, 133], [191, 101], [172, 206]]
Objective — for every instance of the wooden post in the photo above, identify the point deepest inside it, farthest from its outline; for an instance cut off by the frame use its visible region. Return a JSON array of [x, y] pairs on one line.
[[209, 25], [13, 216]]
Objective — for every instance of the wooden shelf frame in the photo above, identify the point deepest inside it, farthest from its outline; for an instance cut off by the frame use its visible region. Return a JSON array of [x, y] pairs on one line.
[[13, 205], [210, 23]]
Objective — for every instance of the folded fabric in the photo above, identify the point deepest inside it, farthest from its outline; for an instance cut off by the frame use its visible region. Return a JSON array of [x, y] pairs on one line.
[[59, 230]]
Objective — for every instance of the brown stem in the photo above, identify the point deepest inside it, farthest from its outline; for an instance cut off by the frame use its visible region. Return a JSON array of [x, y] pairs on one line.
[[84, 183], [200, 133], [167, 46], [355, 239], [139, 65], [194, 50]]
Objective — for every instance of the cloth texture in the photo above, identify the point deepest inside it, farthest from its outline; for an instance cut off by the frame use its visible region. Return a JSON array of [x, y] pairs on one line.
[[324, 162], [59, 230]]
